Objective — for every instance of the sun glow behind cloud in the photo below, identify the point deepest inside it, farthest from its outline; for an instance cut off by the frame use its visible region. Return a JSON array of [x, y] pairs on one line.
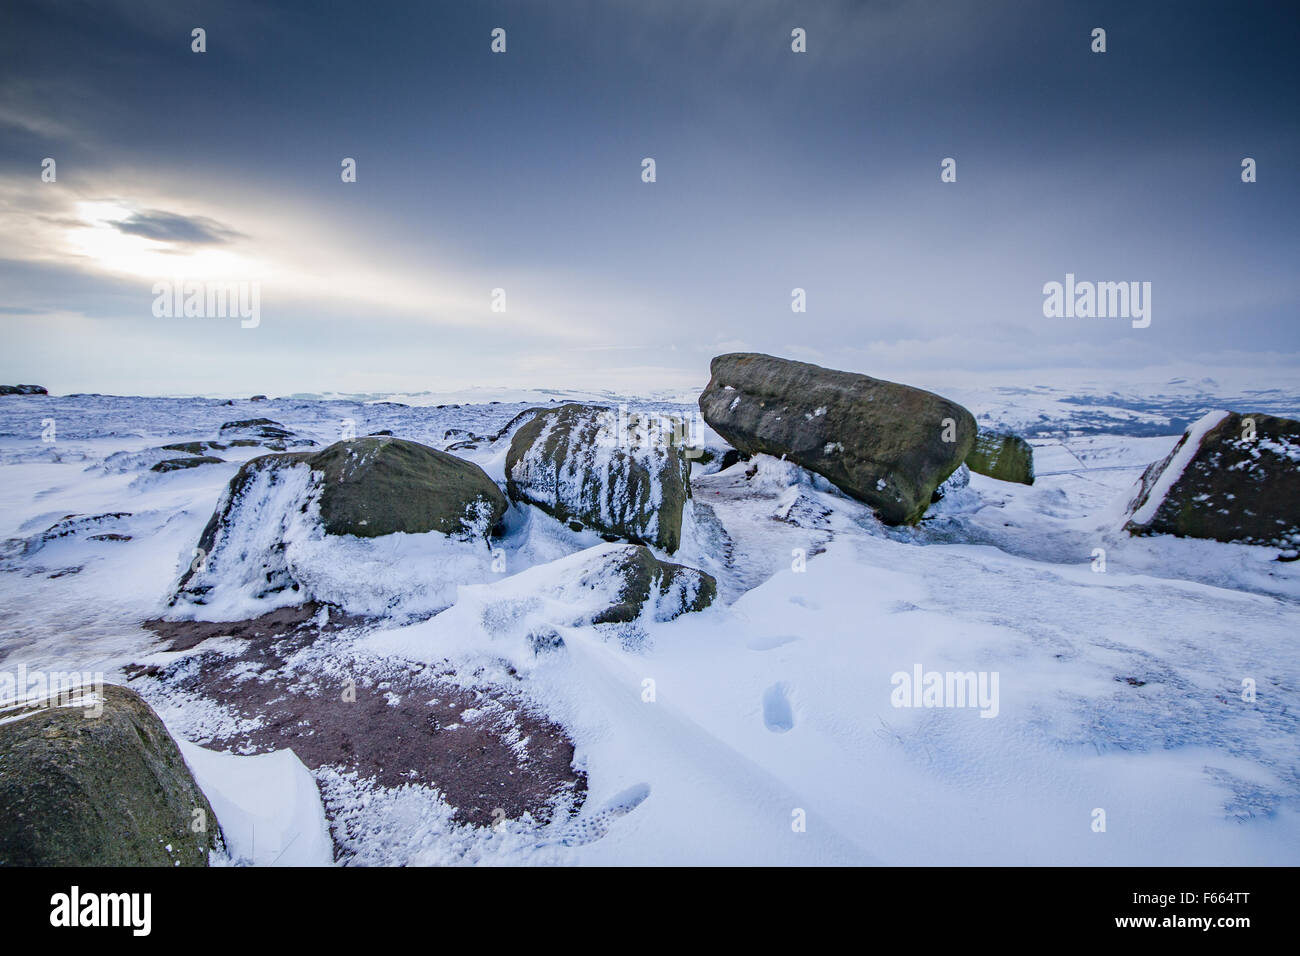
[[347, 302], [96, 236], [307, 265]]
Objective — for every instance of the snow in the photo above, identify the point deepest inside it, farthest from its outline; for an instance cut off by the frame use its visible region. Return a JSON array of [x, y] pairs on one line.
[[1182, 456], [267, 805], [761, 730]]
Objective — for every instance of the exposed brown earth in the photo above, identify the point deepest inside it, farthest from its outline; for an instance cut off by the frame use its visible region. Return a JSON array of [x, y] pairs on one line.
[[395, 723]]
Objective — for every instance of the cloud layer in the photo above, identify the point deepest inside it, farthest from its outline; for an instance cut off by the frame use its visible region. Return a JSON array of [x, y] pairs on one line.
[[522, 172]]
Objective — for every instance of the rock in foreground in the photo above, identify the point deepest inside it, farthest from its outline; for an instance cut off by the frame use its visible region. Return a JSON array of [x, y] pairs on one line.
[[1231, 477], [584, 465], [111, 790], [1001, 456], [887, 444]]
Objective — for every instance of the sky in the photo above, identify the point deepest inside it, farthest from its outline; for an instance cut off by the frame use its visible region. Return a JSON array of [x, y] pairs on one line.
[[522, 171]]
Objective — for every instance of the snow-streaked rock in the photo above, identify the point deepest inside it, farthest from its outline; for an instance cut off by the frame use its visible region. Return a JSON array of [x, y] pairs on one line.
[[313, 526], [1231, 477], [595, 467]]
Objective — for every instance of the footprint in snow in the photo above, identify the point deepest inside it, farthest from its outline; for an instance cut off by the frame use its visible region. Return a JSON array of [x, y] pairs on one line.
[[777, 712], [591, 828]]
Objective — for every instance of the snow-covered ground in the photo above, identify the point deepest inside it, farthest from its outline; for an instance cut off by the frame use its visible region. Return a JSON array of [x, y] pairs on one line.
[[1110, 674]]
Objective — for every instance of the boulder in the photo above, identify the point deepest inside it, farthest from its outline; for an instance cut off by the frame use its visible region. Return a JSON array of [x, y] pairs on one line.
[[1001, 456], [365, 487], [667, 589], [180, 464], [592, 467], [886, 444], [374, 486], [262, 431], [72, 526], [1230, 477], [377, 486], [23, 390], [195, 447], [107, 790]]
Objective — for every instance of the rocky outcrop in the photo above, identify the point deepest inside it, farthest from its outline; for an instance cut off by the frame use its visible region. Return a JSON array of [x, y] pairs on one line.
[[262, 431], [106, 790], [1231, 477], [181, 464], [1001, 456], [667, 589], [590, 467], [23, 390], [196, 447], [376, 486], [366, 487], [886, 444]]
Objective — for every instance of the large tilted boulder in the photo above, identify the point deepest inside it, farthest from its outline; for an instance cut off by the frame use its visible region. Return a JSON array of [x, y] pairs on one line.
[[1231, 477], [587, 466], [1001, 456], [886, 444], [107, 790]]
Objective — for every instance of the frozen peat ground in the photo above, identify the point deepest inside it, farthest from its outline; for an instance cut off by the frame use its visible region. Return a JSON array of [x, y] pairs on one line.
[[406, 711]]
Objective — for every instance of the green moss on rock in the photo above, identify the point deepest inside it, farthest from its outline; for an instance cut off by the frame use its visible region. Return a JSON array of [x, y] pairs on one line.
[[1001, 456], [111, 790]]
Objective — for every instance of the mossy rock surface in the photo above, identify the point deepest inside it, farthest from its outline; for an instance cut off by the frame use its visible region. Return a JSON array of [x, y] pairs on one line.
[[107, 790], [378, 486], [181, 464], [672, 589], [886, 444], [1239, 482], [197, 447], [1002, 456]]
